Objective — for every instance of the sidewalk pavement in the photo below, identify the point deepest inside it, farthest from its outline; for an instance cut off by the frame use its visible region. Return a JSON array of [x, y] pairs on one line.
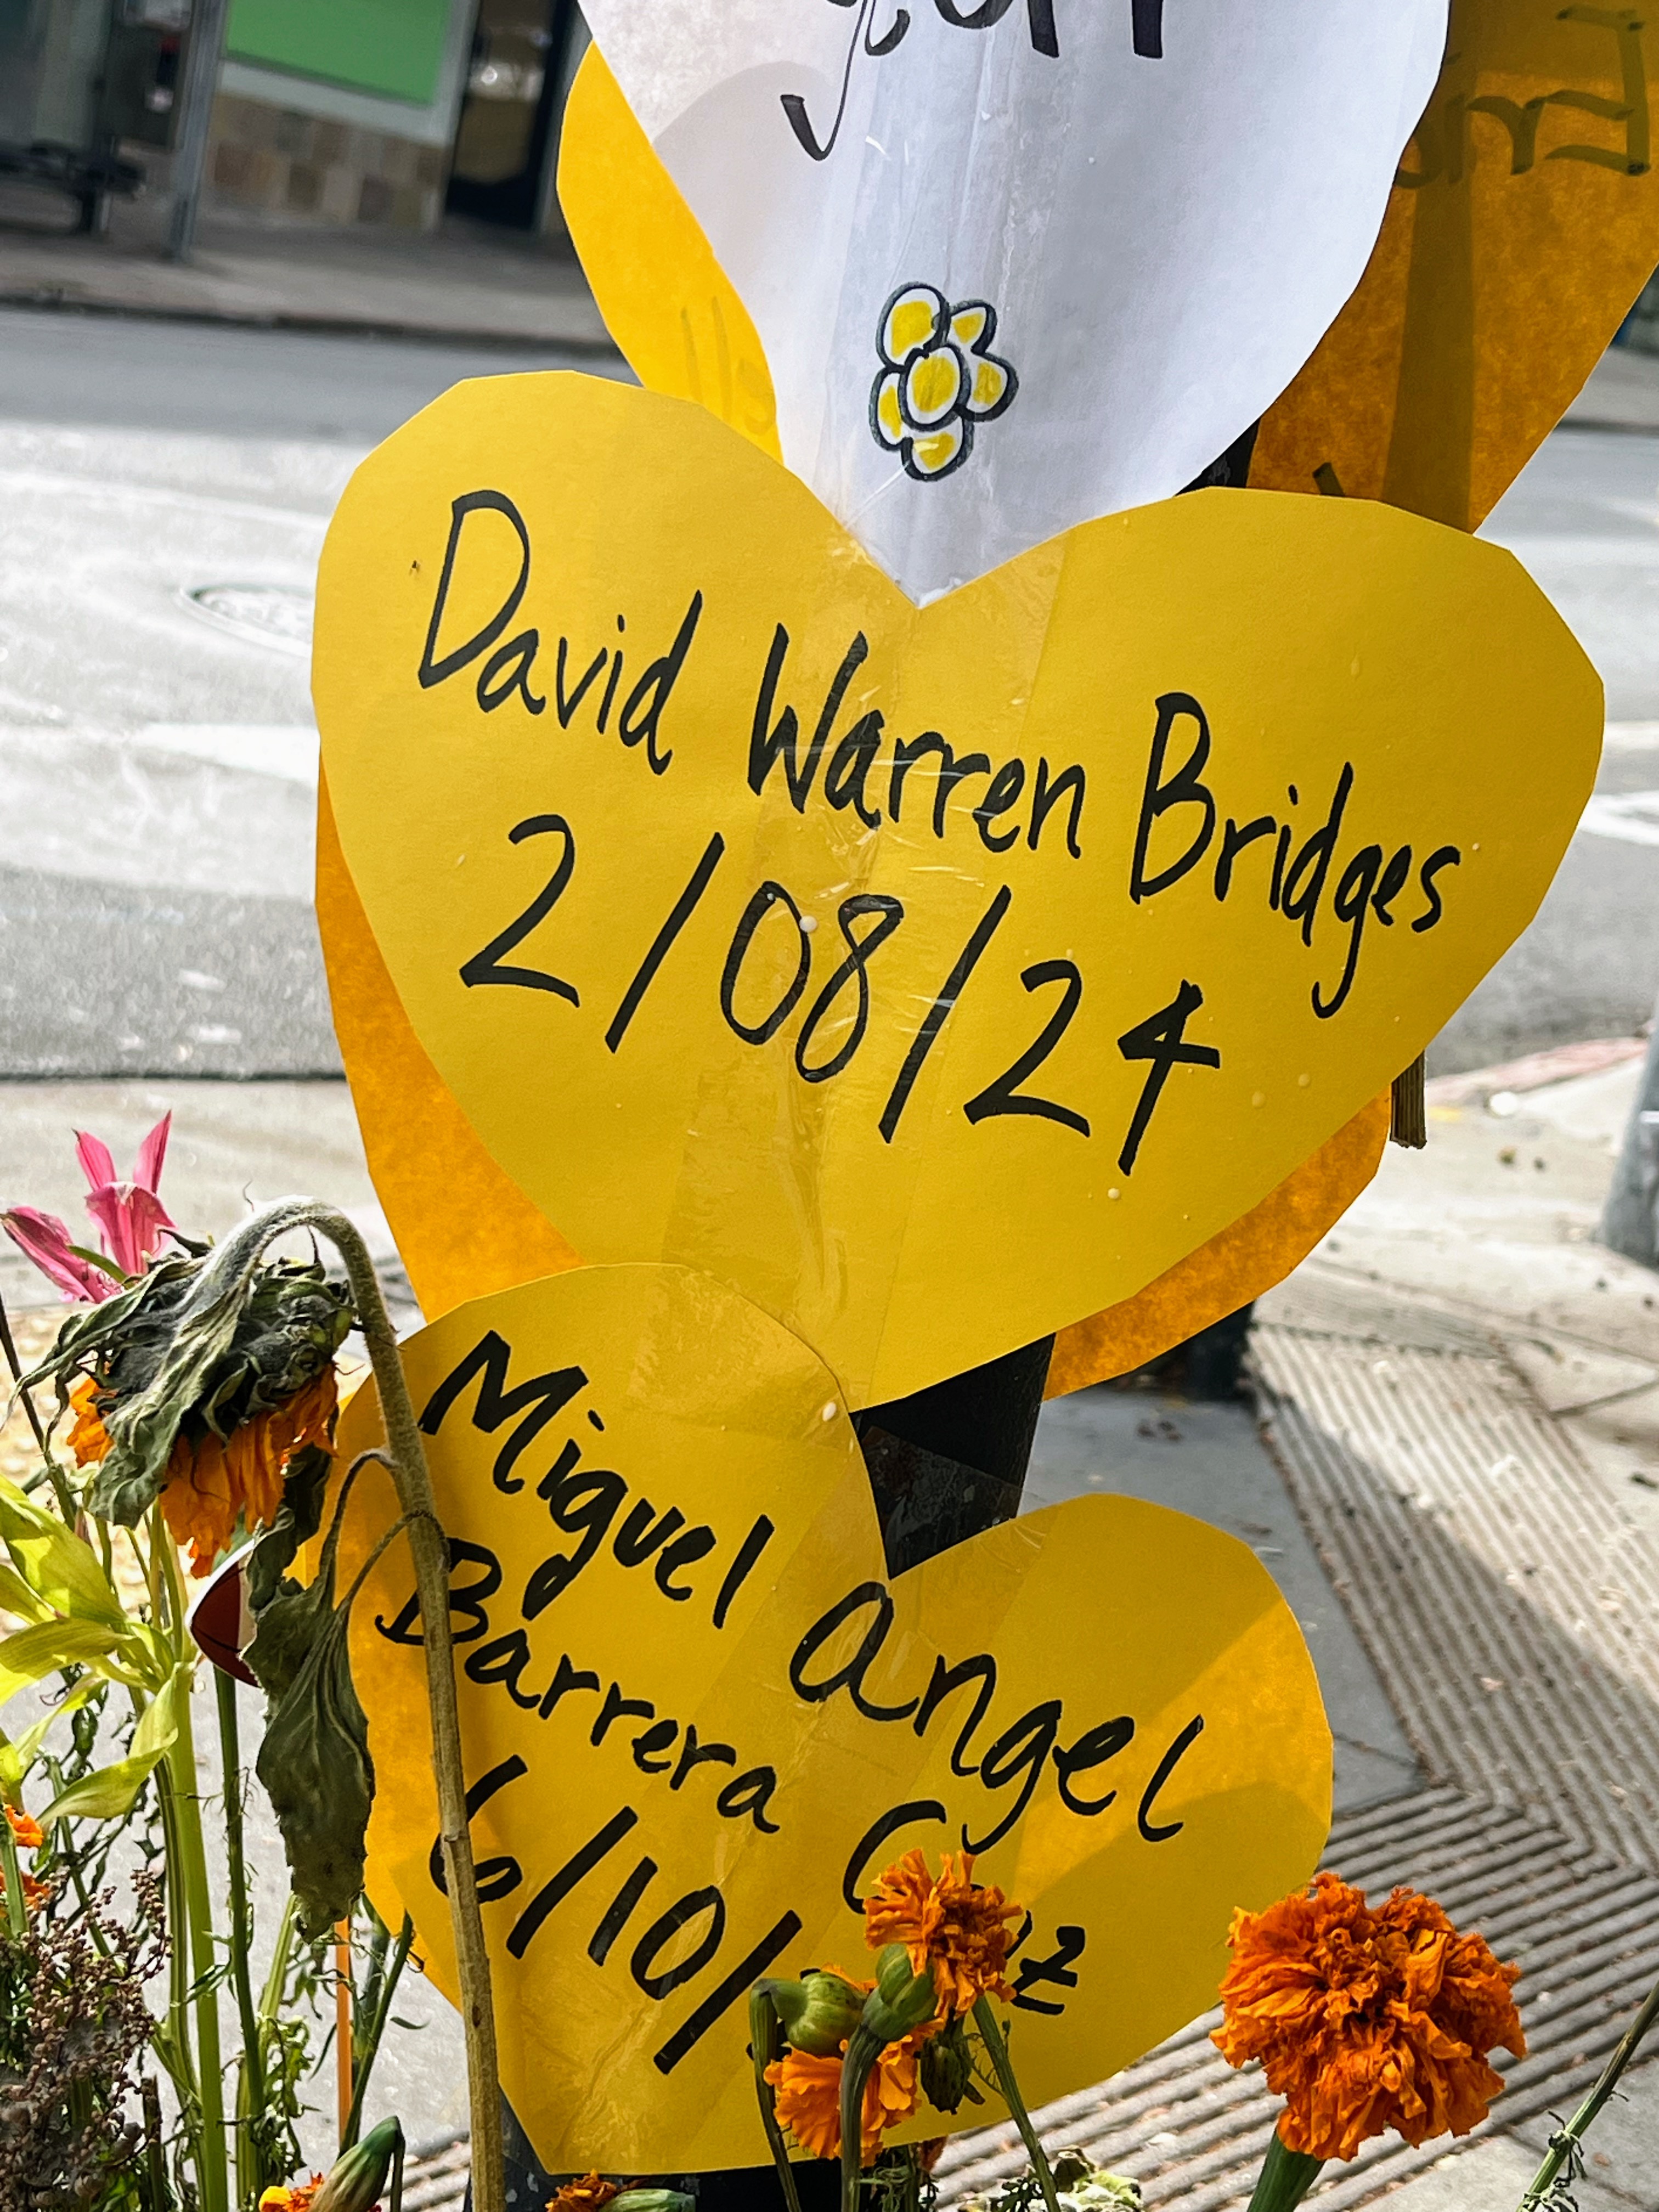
[[468, 282], [1452, 1468]]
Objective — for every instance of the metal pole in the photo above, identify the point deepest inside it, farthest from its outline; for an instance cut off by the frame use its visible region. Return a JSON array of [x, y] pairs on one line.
[[201, 81], [1630, 1223]]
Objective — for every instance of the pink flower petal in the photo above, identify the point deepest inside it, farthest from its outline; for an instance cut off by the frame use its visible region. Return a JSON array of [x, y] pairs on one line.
[[134, 1222], [97, 1160], [147, 1174], [44, 1239], [151, 1223]]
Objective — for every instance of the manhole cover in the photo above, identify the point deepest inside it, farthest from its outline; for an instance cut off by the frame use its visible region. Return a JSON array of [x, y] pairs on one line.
[[269, 614]]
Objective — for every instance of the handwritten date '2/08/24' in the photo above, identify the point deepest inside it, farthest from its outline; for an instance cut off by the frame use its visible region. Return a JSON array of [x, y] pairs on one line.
[[837, 1015]]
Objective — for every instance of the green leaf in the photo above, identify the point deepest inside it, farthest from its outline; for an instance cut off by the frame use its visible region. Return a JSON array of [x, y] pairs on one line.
[[315, 1765], [33, 1652], [16, 1759], [298, 1517], [108, 1794], [112, 1792], [58, 1566], [17, 1596]]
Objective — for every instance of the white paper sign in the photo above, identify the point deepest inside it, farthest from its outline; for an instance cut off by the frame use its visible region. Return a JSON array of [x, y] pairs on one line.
[[1019, 263]]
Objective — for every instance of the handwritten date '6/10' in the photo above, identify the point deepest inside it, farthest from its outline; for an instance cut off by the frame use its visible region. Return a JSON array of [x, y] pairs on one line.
[[835, 1021]]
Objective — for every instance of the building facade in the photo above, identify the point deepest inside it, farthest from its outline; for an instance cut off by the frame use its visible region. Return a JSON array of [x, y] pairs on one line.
[[389, 111]]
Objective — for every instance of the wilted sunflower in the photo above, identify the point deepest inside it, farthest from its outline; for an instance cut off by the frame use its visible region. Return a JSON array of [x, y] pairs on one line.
[[210, 1411], [947, 1925], [1365, 2020]]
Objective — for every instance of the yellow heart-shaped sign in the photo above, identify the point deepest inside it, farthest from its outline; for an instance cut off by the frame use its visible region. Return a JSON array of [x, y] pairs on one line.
[[1527, 201], [763, 922], [699, 1717]]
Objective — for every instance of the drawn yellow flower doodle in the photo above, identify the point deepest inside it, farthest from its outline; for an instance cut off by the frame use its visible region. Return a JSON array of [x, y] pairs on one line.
[[938, 379]]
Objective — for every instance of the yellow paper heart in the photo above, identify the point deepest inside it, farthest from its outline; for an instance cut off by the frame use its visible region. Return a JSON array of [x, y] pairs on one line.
[[464, 1229], [698, 1717], [665, 299], [770, 958], [1527, 203]]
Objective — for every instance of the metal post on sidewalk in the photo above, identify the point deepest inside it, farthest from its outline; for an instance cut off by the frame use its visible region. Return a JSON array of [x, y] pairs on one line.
[[203, 48], [1629, 1222]]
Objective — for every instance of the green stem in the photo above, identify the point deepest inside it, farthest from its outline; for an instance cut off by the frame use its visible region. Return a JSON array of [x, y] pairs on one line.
[[1285, 2177], [270, 1998], [1565, 2142], [986, 2021], [212, 2144], [249, 2184], [367, 2049], [766, 2047], [863, 2050], [175, 2050], [17, 1917]]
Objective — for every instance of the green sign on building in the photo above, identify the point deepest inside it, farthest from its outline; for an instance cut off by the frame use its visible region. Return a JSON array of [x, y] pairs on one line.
[[392, 47]]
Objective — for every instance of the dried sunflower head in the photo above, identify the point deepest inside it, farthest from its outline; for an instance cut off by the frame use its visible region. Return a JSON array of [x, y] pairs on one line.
[[176, 1354]]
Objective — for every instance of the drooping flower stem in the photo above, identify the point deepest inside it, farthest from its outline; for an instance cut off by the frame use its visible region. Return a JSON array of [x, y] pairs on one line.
[[233, 1263], [766, 2047], [864, 2048], [985, 2021], [1566, 2142], [1285, 2177], [250, 2180]]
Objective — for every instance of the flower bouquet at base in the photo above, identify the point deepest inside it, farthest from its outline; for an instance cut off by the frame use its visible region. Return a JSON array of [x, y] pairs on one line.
[[201, 1387]]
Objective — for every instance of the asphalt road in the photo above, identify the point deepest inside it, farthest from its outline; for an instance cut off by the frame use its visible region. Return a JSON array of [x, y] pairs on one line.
[[164, 489], [1584, 519]]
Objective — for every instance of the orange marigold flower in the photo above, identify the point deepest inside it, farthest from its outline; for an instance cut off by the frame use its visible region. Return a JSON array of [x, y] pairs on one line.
[[592, 2194], [88, 1439], [295, 2199], [214, 1482], [961, 1931], [1366, 2019], [25, 1828], [809, 2097]]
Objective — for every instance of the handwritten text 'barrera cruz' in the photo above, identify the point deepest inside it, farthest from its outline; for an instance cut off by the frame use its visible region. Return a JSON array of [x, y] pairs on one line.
[[580, 1518]]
